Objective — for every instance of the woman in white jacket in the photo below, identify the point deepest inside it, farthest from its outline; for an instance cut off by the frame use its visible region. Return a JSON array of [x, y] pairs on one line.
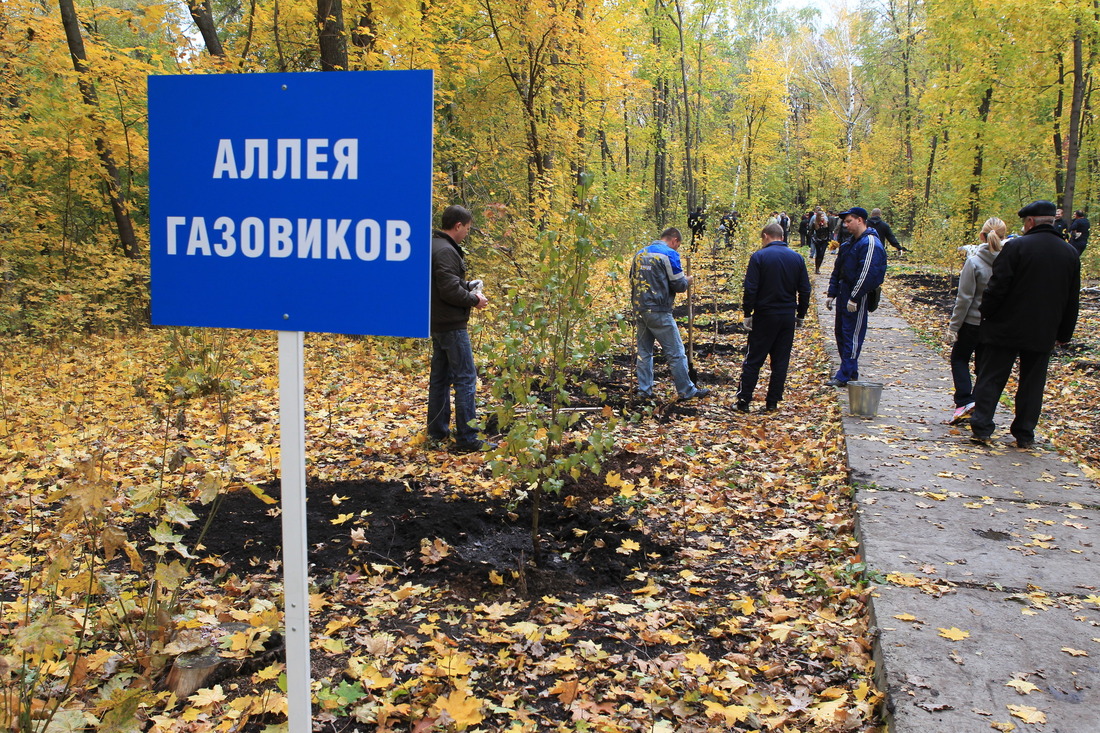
[[962, 331]]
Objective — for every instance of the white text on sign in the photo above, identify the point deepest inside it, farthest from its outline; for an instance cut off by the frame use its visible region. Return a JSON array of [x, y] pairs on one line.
[[288, 159], [330, 239]]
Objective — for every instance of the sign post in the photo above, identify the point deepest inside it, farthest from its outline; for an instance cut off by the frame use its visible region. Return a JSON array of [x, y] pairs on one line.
[[292, 203], [292, 457]]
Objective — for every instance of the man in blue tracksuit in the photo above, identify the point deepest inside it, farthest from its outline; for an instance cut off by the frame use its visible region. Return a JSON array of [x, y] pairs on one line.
[[776, 297], [655, 278], [860, 268]]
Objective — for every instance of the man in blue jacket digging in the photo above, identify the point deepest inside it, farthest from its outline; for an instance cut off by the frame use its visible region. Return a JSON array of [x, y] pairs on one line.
[[859, 270]]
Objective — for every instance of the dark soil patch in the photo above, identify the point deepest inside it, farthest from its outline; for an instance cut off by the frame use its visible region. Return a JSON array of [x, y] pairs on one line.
[[931, 289], [939, 291], [352, 524]]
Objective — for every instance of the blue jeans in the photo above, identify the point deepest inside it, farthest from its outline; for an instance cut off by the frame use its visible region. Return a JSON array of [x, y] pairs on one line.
[[662, 328], [452, 365]]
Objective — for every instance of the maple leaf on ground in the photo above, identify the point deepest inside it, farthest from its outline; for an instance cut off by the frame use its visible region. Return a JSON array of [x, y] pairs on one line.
[[208, 696], [433, 552], [1075, 652], [730, 714], [1027, 713], [566, 690], [954, 634], [1021, 686], [627, 547]]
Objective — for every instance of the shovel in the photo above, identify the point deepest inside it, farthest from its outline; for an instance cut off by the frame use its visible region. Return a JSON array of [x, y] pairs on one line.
[[692, 374]]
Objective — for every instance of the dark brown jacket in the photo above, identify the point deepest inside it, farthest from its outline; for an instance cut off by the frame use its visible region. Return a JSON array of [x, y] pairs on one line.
[[451, 296]]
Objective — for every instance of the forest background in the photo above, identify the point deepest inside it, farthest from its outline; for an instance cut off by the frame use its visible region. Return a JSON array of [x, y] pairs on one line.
[[940, 112]]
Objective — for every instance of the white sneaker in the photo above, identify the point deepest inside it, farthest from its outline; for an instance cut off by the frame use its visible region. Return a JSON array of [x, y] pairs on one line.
[[962, 413]]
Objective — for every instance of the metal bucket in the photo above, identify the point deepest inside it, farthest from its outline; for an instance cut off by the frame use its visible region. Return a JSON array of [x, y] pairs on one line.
[[863, 398]]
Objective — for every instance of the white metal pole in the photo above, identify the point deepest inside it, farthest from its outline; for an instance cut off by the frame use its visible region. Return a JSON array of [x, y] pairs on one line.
[[292, 439]]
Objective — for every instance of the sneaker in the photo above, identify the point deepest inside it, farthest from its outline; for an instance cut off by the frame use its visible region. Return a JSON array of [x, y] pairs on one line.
[[962, 413], [640, 395], [477, 446], [699, 392], [742, 406], [771, 407], [834, 382], [985, 440], [1024, 444]]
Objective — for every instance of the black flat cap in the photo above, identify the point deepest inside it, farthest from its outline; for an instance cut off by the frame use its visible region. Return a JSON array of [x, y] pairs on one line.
[[1038, 208]]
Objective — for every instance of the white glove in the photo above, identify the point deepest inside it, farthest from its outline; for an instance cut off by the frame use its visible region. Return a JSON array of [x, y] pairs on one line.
[[747, 323], [951, 336], [852, 306], [829, 303], [476, 286]]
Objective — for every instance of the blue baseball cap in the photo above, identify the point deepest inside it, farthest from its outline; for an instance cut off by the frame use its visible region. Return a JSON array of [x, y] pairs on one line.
[[854, 211]]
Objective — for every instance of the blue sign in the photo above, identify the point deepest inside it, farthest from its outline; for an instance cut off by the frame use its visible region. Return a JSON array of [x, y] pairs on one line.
[[292, 202]]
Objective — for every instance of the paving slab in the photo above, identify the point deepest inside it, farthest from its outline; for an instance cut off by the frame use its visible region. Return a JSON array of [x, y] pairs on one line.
[[997, 546], [899, 426], [960, 469], [989, 543], [946, 686]]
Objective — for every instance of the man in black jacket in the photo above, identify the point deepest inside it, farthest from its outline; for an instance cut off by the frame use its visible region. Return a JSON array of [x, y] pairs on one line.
[[776, 297], [885, 233], [452, 356], [1079, 232], [1029, 305]]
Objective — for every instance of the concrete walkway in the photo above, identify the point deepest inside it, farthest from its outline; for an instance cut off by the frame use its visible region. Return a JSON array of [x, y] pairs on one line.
[[999, 543]]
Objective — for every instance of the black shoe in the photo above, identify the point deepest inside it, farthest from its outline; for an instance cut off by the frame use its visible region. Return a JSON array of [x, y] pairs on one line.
[[986, 440], [742, 406], [699, 392], [477, 446], [771, 407], [1025, 444], [640, 395], [834, 382]]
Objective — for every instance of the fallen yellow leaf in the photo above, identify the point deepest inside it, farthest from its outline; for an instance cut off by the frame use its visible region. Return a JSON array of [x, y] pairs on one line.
[[1027, 713], [954, 634], [1022, 686]]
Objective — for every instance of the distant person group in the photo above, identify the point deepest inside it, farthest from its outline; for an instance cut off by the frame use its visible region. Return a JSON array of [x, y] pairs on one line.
[[775, 299]]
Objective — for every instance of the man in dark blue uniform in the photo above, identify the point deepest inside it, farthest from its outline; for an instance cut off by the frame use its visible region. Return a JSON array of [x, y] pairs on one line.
[[859, 269], [776, 297]]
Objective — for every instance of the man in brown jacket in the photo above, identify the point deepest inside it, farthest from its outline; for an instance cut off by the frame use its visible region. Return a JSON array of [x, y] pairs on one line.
[[452, 356]]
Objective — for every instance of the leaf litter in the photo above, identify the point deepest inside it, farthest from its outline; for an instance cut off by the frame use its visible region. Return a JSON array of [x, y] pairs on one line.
[[706, 579]]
